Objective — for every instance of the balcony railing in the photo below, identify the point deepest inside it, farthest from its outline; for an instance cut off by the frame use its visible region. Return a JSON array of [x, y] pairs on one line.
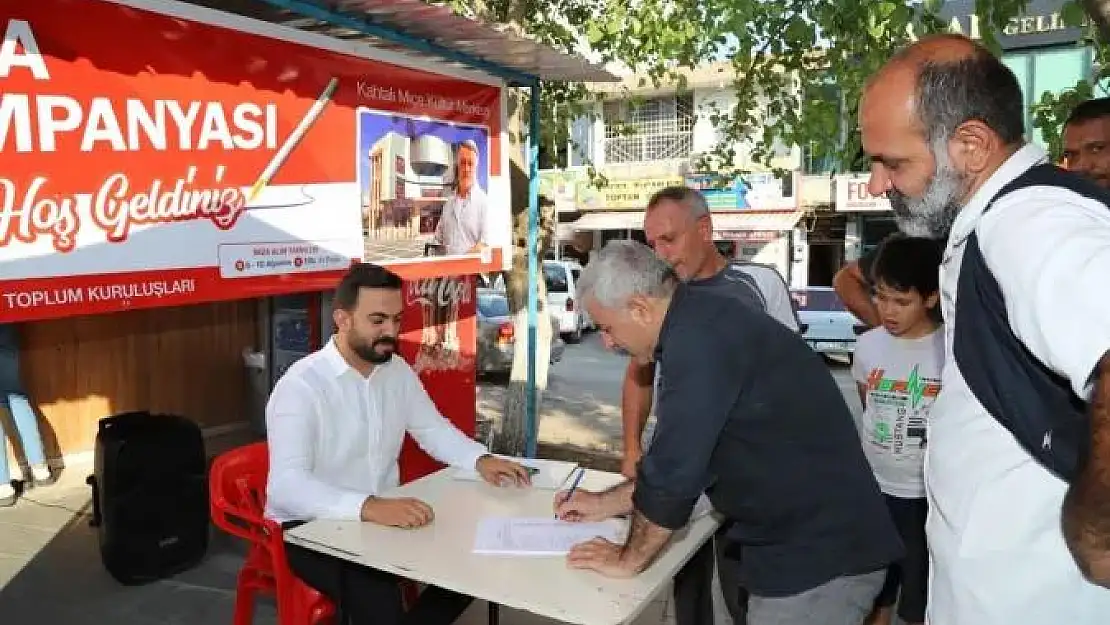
[[649, 147]]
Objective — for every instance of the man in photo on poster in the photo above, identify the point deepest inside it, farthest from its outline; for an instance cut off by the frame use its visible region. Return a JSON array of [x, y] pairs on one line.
[[465, 226]]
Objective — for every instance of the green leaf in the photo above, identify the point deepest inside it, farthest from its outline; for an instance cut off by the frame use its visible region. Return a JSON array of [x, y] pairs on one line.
[[594, 33], [1073, 14], [799, 32]]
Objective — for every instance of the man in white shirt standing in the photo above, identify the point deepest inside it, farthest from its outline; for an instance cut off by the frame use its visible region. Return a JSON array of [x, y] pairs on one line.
[[336, 421], [464, 226], [1018, 463]]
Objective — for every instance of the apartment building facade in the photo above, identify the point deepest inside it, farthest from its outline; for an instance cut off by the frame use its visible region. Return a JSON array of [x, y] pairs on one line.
[[643, 139]]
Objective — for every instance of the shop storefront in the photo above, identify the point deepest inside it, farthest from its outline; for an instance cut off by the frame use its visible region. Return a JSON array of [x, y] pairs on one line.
[[591, 214], [766, 238], [754, 216], [867, 218]]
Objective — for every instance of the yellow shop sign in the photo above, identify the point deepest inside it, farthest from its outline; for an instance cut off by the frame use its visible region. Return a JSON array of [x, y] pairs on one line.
[[634, 194]]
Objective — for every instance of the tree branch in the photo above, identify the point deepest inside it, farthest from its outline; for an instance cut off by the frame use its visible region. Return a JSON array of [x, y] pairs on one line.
[[1099, 12]]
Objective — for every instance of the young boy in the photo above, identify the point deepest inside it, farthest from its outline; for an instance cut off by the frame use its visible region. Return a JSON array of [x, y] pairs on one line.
[[897, 370]]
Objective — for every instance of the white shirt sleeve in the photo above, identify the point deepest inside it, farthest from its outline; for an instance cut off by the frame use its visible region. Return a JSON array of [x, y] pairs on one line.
[[433, 432], [291, 431], [780, 305], [776, 295], [861, 357], [1049, 250], [437, 237], [487, 224]]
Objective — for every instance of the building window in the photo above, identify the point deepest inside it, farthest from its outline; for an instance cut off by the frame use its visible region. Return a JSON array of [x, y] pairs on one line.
[[1053, 70], [553, 155], [819, 159], [654, 129], [581, 142]]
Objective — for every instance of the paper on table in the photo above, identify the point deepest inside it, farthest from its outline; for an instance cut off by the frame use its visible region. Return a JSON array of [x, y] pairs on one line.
[[539, 536], [701, 508], [553, 473]]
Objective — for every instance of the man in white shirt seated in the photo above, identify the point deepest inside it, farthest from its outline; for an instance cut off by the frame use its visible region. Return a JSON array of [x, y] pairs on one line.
[[336, 421]]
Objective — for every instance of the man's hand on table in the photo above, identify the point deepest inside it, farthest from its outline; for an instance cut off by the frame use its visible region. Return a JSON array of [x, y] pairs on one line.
[[404, 512], [502, 472], [601, 556]]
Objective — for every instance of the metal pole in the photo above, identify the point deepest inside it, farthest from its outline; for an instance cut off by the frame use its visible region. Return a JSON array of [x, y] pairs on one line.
[[530, 417]]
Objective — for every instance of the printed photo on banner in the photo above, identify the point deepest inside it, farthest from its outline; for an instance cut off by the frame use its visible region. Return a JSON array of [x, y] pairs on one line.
[[425, 187]]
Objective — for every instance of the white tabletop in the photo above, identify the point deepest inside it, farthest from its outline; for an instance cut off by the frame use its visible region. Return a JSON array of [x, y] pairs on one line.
[[440, 554]]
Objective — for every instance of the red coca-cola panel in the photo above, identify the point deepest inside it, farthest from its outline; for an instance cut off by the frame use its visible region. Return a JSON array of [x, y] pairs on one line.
[[439, 338]]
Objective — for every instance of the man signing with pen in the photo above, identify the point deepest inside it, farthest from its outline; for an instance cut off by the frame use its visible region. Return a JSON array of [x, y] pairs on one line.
[[751, 416]]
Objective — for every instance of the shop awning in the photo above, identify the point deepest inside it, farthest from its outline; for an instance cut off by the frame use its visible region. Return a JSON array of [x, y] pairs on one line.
[[775, 221], [610, 220], [422, 30]]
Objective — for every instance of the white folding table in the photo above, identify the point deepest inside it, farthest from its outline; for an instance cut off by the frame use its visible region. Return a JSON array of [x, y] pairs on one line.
[[441, 553]]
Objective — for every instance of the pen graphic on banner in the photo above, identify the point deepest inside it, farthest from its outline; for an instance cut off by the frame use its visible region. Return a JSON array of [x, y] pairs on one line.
[[295, 138]]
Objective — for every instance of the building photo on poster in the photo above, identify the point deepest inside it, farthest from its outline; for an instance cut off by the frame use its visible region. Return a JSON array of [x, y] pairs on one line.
[[425, 187]]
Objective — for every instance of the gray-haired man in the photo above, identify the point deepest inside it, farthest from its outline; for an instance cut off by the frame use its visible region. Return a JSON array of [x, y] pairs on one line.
[[464, 227], [751, 416]]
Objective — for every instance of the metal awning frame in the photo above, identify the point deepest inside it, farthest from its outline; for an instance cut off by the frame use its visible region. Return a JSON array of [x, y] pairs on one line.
[[513, 77], [362, 24]]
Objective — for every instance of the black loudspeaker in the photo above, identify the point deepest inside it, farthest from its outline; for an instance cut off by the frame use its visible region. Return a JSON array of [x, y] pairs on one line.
[[150, 496]]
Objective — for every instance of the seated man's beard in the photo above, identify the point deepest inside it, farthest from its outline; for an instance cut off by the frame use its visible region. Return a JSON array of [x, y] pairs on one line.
[[932, 215], [377, 352]]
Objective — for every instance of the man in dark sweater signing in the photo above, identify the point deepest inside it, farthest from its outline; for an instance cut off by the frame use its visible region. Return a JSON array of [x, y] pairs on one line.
[[749, 415]]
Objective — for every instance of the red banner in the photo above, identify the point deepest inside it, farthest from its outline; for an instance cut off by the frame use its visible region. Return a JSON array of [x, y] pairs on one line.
[[148, 160]]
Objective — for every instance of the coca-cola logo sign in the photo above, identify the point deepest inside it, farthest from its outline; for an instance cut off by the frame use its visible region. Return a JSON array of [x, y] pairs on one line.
[[438, 292]]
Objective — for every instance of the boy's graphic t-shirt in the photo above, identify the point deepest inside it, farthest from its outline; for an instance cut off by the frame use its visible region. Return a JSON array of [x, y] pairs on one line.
[[902, 377]]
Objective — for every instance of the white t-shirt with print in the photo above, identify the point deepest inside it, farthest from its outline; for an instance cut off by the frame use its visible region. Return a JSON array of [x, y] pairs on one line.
[[902, 377]]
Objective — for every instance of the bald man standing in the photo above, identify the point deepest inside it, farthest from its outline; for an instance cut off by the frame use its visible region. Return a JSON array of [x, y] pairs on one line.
[[1018, 462]]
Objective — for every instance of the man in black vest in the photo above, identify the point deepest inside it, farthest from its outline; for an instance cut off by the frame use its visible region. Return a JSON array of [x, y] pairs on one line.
[[1018, 463]]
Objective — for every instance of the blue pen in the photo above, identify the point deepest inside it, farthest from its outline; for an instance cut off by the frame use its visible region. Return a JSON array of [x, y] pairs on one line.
[[577, 480]]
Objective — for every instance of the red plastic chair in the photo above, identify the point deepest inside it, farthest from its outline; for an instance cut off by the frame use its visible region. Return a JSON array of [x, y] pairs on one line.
[[237, 486]]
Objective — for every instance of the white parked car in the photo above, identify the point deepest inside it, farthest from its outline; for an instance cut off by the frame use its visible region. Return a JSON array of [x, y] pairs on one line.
[[828, 327], [560, 278]]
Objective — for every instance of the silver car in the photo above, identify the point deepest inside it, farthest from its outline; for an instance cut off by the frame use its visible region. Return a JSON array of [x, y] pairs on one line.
[[827, 325], [496, 340]]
